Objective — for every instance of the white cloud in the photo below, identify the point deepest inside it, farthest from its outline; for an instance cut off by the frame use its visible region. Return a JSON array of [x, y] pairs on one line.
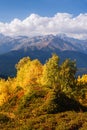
[[37, 25]]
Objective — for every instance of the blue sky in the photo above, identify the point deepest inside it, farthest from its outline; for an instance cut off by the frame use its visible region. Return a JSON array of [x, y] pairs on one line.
[[10, 9], [43, 17]]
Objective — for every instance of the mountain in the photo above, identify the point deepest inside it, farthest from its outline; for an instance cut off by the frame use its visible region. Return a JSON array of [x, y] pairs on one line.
[[61, 42], [12, 49], [8, 60]]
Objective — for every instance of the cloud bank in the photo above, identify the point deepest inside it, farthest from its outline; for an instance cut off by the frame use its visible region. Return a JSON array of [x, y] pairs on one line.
[[37, 25]]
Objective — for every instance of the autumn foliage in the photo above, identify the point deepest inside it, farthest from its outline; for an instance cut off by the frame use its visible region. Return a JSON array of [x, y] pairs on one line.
[[50, 79], [44, 96]]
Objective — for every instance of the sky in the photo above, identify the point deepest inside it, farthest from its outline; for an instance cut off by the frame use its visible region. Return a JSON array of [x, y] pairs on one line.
[[42, 17]]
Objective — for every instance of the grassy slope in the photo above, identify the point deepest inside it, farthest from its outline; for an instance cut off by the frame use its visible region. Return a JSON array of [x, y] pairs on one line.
[[31, 112], [62, 121]]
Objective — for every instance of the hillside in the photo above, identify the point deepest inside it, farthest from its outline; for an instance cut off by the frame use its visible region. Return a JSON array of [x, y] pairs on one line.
[[44, 96], [8, 60]]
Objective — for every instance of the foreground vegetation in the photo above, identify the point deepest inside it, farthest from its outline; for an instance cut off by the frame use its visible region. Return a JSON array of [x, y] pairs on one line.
[[44, 97]]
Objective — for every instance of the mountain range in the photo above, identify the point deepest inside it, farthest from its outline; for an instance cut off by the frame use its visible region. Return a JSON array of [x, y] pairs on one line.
[[12, 49]]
